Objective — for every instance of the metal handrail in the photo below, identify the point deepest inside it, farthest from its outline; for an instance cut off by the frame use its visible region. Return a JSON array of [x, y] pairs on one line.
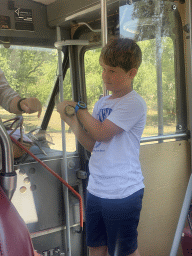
[[8, 177], [64, 168], [183, 135], [104, 31]]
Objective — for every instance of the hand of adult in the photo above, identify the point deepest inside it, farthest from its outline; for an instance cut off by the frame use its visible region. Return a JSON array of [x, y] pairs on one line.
[[31, 105]]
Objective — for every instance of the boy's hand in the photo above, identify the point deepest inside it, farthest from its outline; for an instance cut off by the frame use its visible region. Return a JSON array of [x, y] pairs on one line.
[[61, 108]]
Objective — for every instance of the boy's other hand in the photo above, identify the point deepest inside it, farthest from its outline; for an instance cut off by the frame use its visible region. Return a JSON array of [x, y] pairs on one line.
[[61, 109]]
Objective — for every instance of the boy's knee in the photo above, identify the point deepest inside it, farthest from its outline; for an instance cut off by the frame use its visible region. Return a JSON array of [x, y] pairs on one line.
[[98, 251]]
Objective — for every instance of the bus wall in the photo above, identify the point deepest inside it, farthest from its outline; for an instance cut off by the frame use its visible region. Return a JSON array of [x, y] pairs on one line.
[[166, 171]]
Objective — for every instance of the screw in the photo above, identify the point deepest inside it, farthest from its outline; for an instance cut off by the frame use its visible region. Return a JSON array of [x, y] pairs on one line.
[[71, 164], [174, 7]]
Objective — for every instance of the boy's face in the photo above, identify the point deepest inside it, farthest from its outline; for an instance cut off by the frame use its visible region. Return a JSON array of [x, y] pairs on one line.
[[116, 79]]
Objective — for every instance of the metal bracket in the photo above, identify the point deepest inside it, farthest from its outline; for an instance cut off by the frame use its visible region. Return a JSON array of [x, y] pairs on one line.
[[186, 28], [81, 175], [59, 44], [93, 30]]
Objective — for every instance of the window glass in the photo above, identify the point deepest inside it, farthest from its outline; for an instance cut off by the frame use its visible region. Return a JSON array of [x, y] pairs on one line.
[[145, 83], [152, 25], [32, 72], [93, 76], [54, 127]]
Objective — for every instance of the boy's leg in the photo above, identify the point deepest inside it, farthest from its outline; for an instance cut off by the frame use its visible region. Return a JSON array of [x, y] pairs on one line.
[[121, 217], [98, 251], [96, 236]]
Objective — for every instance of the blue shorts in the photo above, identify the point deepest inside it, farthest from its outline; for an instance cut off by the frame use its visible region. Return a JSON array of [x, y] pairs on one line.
[[113, 222]]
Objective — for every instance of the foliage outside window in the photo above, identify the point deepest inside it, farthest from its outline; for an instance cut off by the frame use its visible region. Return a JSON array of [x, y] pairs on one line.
[[94, 82], [32, 72], [145, 83], [153, 25]]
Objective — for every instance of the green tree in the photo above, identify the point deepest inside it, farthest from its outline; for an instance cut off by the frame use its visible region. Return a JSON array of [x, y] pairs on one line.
[[30, 72], [93, 71]]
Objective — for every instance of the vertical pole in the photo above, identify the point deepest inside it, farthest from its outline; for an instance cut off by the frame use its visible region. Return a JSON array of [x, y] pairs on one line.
[[8, 177], [190, 81], [159, 81], [104, 30], [159, 69], [182, 219], [64, 160], [104, 22]]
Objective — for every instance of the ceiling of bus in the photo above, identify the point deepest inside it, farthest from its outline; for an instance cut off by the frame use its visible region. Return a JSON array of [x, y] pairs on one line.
[[46, 2]]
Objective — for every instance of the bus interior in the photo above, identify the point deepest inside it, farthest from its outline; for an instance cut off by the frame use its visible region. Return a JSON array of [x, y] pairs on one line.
[[50, 49]]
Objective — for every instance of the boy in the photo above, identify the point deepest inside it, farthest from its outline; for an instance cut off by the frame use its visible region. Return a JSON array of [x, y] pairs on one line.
[[115, 188]]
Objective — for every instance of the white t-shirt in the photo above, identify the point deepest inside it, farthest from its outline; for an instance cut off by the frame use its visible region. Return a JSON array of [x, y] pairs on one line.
[[114, 166]]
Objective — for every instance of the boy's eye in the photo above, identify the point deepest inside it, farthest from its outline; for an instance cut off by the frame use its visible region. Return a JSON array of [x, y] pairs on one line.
[[108, 70]]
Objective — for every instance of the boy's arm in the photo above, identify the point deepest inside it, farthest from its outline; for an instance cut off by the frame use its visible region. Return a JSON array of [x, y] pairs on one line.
[[96, 130], [99, 131], [82, 136]]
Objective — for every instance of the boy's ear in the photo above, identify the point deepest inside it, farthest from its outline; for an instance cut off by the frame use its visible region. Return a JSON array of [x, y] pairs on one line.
[[132, 73]]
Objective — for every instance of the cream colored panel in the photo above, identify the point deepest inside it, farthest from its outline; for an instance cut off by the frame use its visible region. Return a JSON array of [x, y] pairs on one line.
[[45, 1], [166, 169]]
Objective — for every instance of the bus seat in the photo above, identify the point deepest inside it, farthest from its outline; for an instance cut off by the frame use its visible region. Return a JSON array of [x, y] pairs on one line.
[[186, 241], [14, 236]]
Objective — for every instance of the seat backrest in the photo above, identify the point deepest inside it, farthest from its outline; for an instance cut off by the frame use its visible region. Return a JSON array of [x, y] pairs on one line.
[[14, 235]]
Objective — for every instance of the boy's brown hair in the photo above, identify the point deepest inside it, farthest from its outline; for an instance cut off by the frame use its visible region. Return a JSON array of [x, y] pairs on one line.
[[123, 53]]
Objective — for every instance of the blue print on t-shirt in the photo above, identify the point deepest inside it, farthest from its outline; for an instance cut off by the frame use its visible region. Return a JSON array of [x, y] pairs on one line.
[[97, 144], [104, 113]]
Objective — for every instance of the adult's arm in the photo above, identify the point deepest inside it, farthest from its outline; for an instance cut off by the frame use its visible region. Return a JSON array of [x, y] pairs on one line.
[[28, 105], [9, 99], [7, 94]]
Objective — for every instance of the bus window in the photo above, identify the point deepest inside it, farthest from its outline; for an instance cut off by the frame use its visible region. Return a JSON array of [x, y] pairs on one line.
[[94, 82], [32, 72], [54, 127], [155, 27], [145, 83]]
